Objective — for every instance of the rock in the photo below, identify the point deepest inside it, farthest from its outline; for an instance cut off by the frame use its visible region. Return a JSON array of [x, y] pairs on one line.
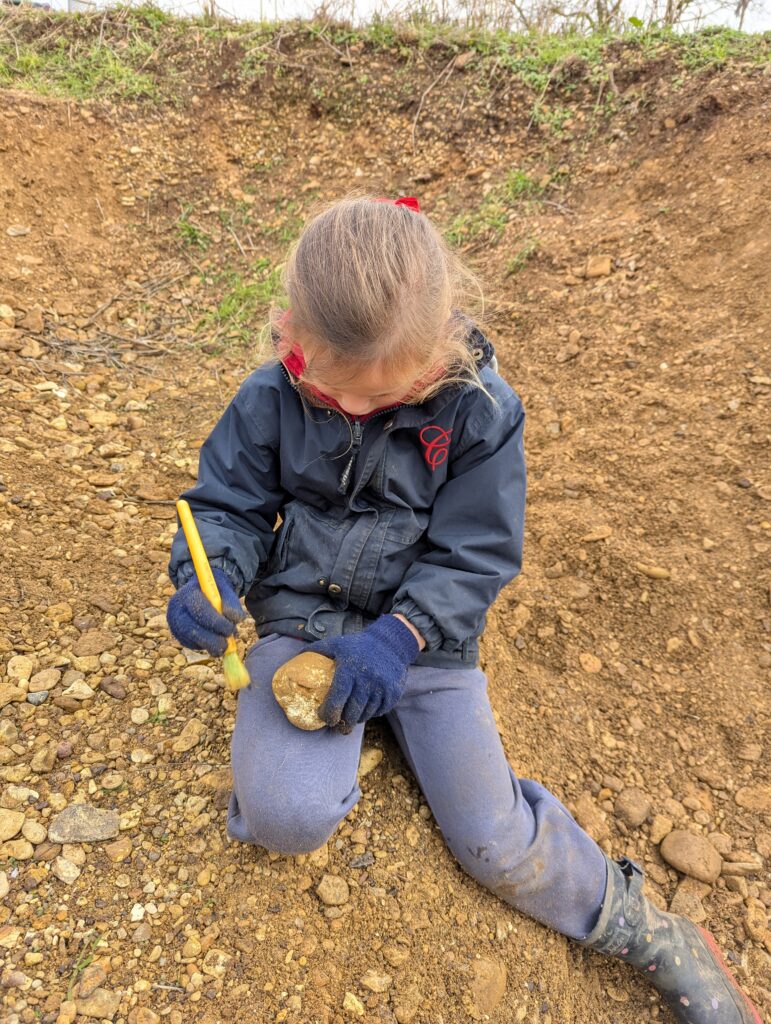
[[591, 818], [687, 900], [65, 870], [693, 855], [92, 643], [351, 1003], [19, 849], [598, 266], [370, 759], [59, 613], [396, 955], [120, 850], [113, 688], [216, 962], [45, 680], [590, 663], [632, 806], [10, 823], [8, 731], [34, 832], [141, 756], [68, 1011], [37, 698], [756, 922], [20, 667], [90, 980], [300, 687], [44, 759], [376, 982], [487, 988], [4, 885], [139, 715], [79, 690], [33, 319], [661, 826], [9, 693], [191, 949], [102, 1004], [63, 749], [82, 823], [143, 1015], [333, 890], [755, 798], [190, 736]]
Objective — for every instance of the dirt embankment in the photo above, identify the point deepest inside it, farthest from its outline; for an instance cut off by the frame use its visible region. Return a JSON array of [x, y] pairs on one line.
[[626, 276]]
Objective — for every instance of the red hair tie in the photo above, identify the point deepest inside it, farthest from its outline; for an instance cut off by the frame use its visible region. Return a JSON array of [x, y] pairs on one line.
[[409, 201]]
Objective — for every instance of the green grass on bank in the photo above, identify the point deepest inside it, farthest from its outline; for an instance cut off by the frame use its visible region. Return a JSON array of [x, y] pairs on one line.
[[144, 52]]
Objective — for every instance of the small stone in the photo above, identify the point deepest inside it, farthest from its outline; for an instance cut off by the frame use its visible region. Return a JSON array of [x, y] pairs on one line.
[[661, 826], [693, 855], [19, 849], [10, 823], [37, 698], [20, 667], [120, 850], [191, 949], [139, 715], [113, 688], [92, 643], [216, 963], [44, 759], [79, 690], [90, 980], [137, 913], [632, 806], [4, 885], [34, 831], [591, 818], [65, 870], [47, 679], [59, 613], [599, 266], [101, 1004], [63, 749], [190, 736], [82, 823], [687, 900], [376, 982], [488, 987], [333, 890], [370, 759], [756, 922], [9, 694], [590, 663], [141, 756], [143, 1015], [352, 1004], [755, 798], [68, 1011]]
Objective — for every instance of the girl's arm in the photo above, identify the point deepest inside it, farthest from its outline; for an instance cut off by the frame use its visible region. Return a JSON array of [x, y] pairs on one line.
[[238, 493], [475, 531]]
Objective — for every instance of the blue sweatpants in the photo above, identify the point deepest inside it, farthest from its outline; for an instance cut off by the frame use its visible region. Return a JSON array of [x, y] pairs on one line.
[[292, 788]]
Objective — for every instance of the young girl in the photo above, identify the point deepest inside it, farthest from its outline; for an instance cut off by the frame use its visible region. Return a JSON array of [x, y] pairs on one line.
[[392, 450]]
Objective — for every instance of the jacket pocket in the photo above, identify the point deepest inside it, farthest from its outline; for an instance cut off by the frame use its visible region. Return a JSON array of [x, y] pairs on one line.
[[306, 549]]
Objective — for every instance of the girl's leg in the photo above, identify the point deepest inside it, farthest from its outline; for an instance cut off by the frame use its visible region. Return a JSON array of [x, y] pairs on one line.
[[290, 788], [512, 835]]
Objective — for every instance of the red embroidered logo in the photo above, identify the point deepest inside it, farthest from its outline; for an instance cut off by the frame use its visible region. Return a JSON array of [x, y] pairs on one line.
[[436, 441]]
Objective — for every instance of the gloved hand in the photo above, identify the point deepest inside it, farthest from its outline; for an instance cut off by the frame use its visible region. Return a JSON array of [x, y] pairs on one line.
[[193, 620], [370, 674]]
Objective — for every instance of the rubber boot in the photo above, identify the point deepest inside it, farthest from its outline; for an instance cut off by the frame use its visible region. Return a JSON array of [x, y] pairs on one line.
[[681, 960]]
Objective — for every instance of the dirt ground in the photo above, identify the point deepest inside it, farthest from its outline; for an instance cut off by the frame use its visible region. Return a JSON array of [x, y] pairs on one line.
[[629, 306]]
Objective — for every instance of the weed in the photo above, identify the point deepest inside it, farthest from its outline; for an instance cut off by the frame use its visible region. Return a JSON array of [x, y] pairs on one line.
[[522, 257], [520, 186], [191, 233], [243, 298], [85, 957], [158, 718]]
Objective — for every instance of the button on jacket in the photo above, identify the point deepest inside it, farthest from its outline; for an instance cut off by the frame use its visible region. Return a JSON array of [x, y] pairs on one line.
[[416, 509]]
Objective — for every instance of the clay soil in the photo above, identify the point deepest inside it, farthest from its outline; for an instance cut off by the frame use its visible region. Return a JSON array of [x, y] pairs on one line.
[[627, 296]]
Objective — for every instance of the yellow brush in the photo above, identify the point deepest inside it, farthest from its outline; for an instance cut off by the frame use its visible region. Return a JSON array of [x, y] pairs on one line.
[[235, 671]]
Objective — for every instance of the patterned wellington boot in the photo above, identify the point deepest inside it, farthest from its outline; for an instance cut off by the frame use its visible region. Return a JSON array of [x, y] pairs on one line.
[[681, 960]]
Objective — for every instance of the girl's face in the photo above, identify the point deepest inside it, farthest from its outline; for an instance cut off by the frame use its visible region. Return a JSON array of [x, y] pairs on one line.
[[369, 390]]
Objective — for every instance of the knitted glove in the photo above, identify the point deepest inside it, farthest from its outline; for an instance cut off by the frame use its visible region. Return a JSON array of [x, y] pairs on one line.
[[370, 674], [195, 623]]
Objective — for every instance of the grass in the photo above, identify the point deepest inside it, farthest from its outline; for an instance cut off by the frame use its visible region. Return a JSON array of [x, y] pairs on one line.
[[491, 215], [144, 53], [243, 299], [191, 234], [526, 252], [85, 957]]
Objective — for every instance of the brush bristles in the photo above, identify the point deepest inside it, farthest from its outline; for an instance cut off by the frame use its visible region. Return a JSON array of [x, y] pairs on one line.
[[236, 675]]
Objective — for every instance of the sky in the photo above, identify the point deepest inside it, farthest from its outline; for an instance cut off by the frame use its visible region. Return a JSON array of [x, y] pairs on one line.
[[712, 12]]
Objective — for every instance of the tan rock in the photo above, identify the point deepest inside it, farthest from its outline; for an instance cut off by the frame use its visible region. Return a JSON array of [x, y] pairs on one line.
[[300, 686], [487, 988], [692, 854]]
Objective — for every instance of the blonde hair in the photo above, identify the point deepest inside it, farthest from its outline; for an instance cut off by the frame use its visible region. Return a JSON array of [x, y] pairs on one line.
[[373, 282]]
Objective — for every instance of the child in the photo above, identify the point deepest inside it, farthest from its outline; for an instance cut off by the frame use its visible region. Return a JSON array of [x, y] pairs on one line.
[[392, 451]]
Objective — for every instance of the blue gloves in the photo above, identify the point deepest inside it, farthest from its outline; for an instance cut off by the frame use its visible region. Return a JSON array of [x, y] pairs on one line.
[[371, 671], [195, 623]]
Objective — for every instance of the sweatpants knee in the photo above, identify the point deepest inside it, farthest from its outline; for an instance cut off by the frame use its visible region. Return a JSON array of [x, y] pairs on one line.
[[284, 826]]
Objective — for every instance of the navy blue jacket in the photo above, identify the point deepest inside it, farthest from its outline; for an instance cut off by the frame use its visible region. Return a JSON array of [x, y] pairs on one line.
[[417, 509]]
